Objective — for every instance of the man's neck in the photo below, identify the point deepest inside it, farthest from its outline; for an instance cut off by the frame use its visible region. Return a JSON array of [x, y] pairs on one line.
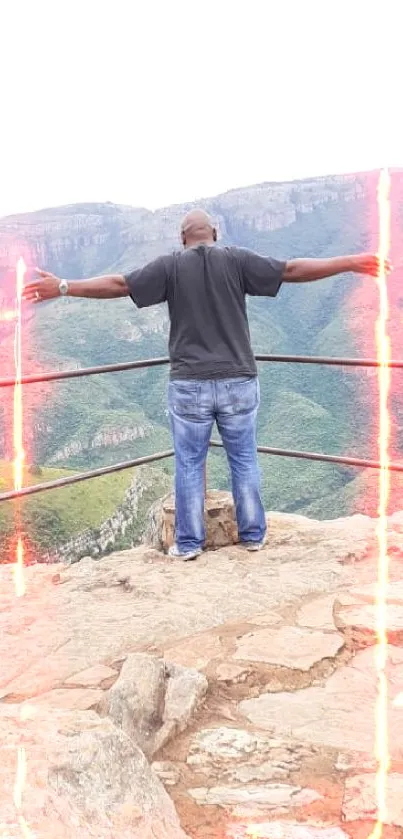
[[208, 242]]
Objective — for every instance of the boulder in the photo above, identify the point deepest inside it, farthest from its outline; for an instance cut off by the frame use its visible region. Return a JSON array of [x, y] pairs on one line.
[[152, 701], [135, 702], [87, 779], [220, 521]]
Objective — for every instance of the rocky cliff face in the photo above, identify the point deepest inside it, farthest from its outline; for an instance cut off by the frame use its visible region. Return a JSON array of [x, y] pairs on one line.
[[95, 543], [104, 234], [48, 236], [102, 439], [267, 207]]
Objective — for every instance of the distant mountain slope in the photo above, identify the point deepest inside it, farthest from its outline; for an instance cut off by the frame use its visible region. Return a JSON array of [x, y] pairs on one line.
[[80, 423]]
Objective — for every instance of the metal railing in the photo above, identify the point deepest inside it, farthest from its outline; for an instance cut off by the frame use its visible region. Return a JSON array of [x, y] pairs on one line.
[[56, 375], [59, 375]]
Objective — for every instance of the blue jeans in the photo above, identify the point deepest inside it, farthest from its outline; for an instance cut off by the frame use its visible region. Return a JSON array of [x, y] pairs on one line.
[[193, 407]]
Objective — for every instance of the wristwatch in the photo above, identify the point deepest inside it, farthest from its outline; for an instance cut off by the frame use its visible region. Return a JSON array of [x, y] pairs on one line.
[[63, 288]]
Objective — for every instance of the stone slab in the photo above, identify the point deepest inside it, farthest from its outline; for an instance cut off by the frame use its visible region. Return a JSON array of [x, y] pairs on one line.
[[339, 713], [268, 796], [195, 652], [290, 646], [318, 614]]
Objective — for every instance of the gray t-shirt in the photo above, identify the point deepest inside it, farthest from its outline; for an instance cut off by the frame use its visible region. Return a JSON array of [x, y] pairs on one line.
[[205, 287]]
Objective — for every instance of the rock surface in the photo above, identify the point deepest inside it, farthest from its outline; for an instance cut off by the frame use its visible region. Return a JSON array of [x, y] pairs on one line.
[[85, 779], [245, 680], [289, 830], [327, 714], [360, 798], [318, 614], [357, 614]]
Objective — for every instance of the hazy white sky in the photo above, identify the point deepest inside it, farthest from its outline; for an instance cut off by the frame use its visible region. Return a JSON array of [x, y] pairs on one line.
[[153, 102]]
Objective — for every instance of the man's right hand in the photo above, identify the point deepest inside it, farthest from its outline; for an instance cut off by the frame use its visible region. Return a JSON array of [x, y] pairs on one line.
[[45, 288], [100, 288]]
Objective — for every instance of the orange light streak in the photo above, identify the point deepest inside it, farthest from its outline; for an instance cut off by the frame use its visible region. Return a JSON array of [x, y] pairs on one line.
[[18, 471], [383, 357], [18, 789], [19, 454], [8, 315]]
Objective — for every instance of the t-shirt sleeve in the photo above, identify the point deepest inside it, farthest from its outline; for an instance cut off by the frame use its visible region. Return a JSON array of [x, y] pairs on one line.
[[148, 286], [262, 275]]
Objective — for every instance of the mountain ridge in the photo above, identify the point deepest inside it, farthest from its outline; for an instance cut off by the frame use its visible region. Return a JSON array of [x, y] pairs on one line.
[[273, 205], [258, 185]]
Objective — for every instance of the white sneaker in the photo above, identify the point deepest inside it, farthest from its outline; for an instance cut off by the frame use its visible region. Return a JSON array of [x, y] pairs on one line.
[[174, 552], [252, 546]]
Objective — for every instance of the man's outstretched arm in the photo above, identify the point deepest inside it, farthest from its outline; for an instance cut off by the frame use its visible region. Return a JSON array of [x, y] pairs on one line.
[[308, 270], [46, 287]]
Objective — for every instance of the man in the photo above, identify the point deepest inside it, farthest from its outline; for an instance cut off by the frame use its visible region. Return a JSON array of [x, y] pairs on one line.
[[213, 371]]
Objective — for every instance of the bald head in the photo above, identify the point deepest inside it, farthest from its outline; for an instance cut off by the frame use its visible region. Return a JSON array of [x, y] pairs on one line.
[[197, 227]]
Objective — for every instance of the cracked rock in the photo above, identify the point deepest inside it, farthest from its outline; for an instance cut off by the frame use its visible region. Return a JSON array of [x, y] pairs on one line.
[[152, 701], [338, 713], [234, 754], [269, 796]]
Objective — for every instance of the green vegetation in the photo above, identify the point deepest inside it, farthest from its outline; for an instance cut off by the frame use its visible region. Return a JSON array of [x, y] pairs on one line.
[[52, 518]]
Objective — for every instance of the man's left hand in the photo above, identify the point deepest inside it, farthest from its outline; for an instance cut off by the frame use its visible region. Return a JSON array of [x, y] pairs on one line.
[[370, 264], [44, 288]]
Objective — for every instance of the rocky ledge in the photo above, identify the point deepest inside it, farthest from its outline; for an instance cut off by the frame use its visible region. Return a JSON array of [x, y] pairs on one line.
[[230, 697]]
